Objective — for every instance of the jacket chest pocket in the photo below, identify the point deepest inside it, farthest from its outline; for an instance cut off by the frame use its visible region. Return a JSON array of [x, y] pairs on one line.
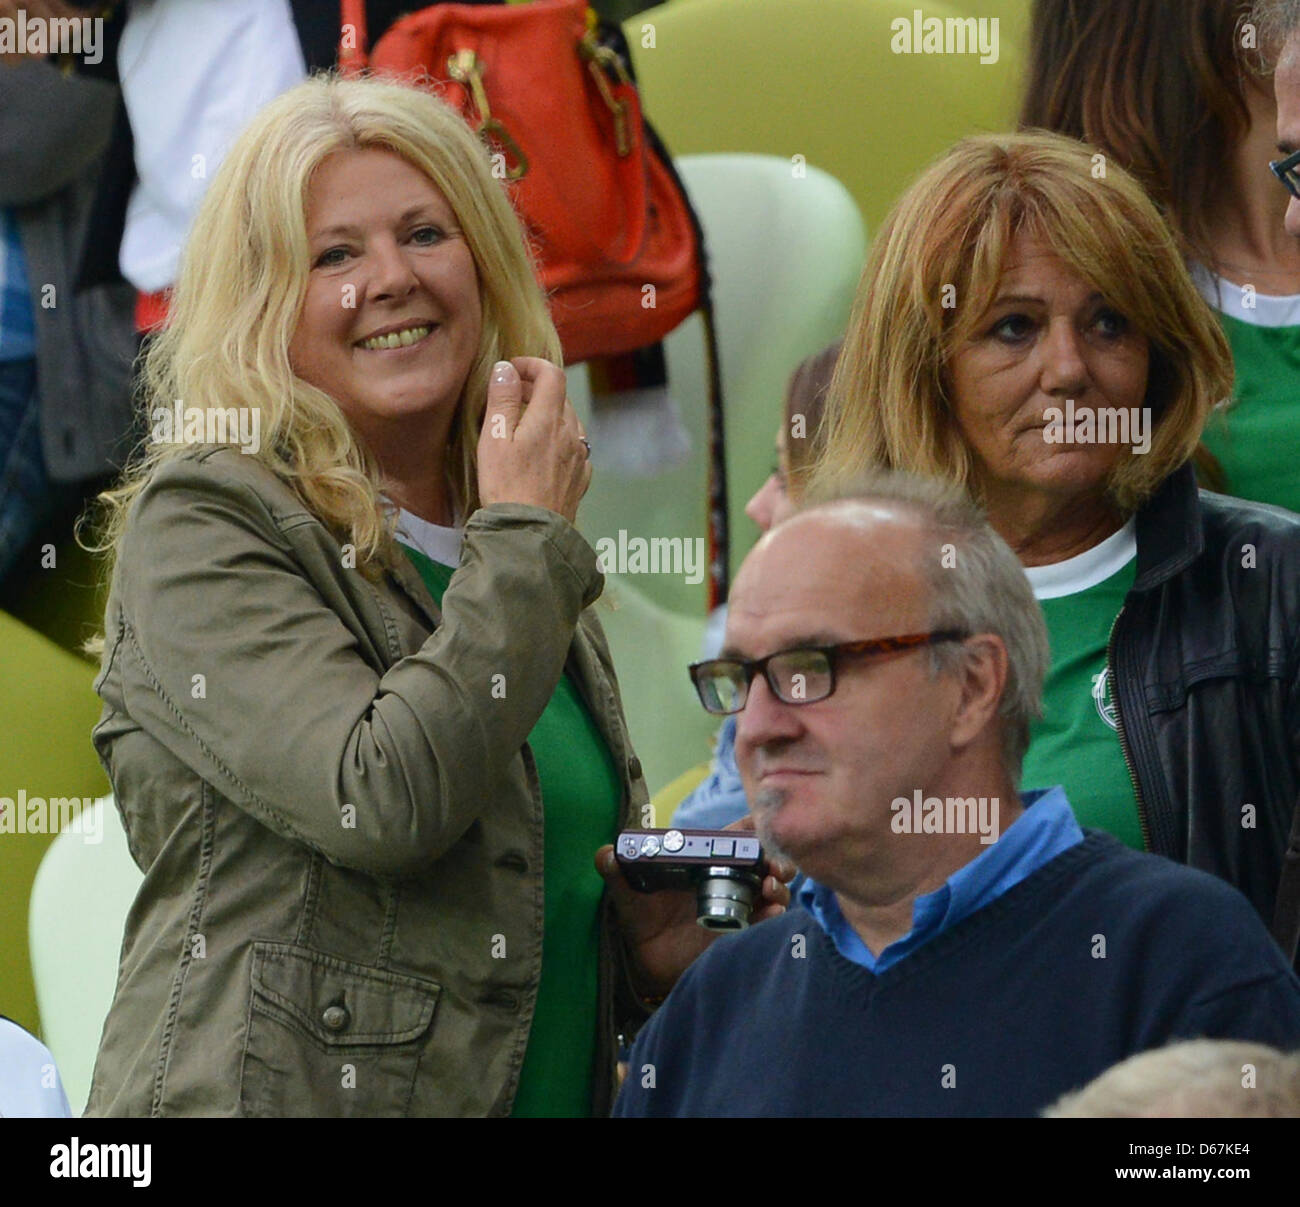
[[327, 1038]]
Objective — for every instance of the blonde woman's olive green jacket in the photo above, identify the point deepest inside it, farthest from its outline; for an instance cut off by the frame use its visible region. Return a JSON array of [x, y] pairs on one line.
[[327, 786]]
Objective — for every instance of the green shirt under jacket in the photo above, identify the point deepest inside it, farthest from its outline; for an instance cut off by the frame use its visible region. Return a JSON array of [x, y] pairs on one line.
[[580, 791]]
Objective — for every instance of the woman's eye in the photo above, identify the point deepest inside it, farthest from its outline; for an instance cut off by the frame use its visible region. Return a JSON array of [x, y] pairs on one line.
[[331, 257], [1011, 328], [427, 235], [1111, 323]]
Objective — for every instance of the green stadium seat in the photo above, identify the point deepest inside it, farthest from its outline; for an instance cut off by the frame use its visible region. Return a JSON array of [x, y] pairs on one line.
[[652, 647]]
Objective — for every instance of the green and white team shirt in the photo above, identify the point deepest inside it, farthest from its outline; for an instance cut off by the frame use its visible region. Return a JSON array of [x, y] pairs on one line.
[[1257, 438], [1076, 744]]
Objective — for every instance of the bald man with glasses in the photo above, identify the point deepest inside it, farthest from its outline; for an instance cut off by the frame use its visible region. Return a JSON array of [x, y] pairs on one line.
[[960, 947]]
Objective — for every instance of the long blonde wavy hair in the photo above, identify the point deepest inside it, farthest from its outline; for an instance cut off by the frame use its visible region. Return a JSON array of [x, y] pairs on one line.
[[934, 270], [243, 278]]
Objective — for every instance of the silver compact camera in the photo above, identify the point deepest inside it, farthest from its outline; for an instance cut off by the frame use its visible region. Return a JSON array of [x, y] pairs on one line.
[[725, 867]]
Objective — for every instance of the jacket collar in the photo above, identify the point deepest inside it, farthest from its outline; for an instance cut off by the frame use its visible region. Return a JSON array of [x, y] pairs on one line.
[[1169, 532]]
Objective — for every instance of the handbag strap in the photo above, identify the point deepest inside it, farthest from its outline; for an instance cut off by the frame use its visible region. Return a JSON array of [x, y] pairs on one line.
[[352, 58], [719, 520]]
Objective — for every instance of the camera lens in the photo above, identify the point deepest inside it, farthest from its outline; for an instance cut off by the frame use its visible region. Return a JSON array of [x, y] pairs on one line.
[[726, 899]]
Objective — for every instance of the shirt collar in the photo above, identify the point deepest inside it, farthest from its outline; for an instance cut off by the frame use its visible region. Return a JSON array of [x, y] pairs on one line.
[[437, 542], [1045, 829]]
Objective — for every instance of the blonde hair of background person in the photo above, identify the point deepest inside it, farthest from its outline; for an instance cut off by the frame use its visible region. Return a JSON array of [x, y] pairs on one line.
[[934, 268], [227, 345], [1201, 1078]]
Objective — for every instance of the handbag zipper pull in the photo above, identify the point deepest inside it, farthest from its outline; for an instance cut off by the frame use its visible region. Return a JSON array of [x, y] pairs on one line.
[[467, 69], [600, 60]]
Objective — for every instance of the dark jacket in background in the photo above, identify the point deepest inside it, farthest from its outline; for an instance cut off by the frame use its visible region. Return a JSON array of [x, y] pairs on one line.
[[1205, 667], [53, 132]]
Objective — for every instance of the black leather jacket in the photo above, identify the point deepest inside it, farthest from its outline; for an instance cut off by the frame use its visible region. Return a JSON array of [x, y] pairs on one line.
[[1205, 663]]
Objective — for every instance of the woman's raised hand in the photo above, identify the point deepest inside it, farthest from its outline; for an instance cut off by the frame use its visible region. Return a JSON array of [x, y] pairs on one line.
[[531, 447]]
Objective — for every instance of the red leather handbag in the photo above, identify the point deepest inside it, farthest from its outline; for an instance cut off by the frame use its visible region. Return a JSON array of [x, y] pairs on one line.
[[618, 248]]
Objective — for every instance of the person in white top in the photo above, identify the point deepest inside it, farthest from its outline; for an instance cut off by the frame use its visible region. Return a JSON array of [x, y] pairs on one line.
[[193, 73], [29, 1081]]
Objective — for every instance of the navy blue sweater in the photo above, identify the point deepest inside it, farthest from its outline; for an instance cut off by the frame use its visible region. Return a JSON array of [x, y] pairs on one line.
[[1101, 953]]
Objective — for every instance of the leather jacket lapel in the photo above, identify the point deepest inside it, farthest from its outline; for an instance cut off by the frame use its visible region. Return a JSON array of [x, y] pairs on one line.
[[1169, 531]]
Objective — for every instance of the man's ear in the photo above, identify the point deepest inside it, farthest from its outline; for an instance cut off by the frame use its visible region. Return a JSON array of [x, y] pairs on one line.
[[983, 679]]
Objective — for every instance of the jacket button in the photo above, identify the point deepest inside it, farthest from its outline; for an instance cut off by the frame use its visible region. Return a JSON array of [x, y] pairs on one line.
[[335, 1017], [634, 767], [513, 861]]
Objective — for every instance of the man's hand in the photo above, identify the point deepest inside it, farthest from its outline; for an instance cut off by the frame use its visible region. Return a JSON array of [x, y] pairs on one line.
[[662, 934]]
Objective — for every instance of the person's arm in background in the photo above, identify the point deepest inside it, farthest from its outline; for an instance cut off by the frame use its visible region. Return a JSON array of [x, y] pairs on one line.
[[52, 129], [30, 1087]]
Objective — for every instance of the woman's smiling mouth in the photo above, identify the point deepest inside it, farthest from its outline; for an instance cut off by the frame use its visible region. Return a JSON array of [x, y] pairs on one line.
[[396, 339]]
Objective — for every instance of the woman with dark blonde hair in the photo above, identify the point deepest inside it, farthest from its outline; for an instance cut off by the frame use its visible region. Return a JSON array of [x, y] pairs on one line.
[[1175, 92], [1025, 326], [360, 721]]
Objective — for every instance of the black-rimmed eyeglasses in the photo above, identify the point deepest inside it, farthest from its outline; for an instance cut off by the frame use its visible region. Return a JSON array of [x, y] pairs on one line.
[[1288, 172], [797, 676]]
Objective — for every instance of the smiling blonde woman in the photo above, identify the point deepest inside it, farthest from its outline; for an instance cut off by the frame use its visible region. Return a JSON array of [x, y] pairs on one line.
[[1020, 283], [360, 722]]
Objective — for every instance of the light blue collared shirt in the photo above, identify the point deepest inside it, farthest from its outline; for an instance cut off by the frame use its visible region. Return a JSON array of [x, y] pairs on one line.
[[1045, 829]]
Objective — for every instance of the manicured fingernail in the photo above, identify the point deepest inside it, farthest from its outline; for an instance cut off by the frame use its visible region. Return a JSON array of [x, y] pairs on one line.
[[503, 373]]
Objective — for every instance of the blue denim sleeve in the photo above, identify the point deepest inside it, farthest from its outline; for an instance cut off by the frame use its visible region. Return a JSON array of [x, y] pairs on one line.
[[720, 799]]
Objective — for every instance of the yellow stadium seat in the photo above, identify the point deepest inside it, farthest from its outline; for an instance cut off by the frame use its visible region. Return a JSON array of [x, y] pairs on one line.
[[47, 709], [664, 802], [818, 79]]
